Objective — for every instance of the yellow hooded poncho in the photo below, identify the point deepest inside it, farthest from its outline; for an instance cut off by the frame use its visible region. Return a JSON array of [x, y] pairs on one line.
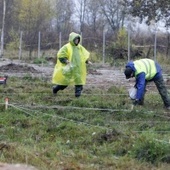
[[75, 72]]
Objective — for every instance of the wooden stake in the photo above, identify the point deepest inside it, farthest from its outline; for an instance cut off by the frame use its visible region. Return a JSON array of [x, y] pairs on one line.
[[6, 103]]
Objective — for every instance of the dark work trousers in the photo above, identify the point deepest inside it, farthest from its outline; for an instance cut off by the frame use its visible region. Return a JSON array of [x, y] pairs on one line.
[[160, 84], [78, 89]]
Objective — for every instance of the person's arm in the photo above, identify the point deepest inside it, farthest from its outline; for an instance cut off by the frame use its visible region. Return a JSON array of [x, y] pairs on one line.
[[140, 85], [64, 60], [63, 55], [89, 62]]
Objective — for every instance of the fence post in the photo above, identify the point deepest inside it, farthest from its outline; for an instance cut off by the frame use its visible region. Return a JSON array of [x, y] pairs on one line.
[[39, 43], [155, 44], [129, 42], [81, 38], [2, 31], [20, 46], [6, 103], [59, 40], [104, 41]]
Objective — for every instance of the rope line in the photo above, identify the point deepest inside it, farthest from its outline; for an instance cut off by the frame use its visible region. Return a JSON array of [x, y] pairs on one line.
[[162, 141], [90, 125], [99, 109], [114, 122], [25, 110], [77, 108], [21, 109], [63, 118]]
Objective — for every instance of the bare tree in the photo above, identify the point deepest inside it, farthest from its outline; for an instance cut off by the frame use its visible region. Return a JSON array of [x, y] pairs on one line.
[[33, 16], [114, 12], [63, 13], [81, 11], [3, 26], [93, 15]]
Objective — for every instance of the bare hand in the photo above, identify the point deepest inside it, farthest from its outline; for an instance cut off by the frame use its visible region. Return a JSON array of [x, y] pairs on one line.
[[67, 62], [89, 62]]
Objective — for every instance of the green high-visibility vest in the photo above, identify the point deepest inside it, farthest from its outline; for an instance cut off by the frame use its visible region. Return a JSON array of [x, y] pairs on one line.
[[147, 66]]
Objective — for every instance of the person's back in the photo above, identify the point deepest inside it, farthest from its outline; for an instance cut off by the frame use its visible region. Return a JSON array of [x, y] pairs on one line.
[[145, 70]]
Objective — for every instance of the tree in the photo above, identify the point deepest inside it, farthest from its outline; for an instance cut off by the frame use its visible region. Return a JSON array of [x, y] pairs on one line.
[[63, 14], [82, 13], [114, 12], [150, 10], [8, 19], [2, 30], [95, 18], [32, 16]]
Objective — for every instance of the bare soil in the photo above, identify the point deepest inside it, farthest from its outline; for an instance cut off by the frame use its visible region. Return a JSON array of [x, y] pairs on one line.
[[102, 76], [15, 167], [98, 76]]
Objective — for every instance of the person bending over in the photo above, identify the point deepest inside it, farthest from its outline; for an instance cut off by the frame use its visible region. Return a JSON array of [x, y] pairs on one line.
[[146, 70]]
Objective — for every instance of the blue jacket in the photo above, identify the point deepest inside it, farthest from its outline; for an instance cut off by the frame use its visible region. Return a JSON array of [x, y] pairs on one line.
[[141, 81]]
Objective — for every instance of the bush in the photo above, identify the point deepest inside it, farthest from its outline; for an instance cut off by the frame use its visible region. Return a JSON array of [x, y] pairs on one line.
[[40, 61]]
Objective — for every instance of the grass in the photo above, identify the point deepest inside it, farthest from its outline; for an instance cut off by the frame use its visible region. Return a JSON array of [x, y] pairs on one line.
[[96, 131]]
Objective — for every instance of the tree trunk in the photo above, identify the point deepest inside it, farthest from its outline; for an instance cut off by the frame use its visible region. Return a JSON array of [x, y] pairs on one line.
[[2, 32], [168, 46]]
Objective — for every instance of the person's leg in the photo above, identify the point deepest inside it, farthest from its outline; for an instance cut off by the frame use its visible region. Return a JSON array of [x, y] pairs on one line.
[[57, 88], [160, 84], [78, 89]]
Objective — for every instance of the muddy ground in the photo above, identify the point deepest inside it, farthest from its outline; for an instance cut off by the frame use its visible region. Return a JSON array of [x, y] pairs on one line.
[[98, 75]]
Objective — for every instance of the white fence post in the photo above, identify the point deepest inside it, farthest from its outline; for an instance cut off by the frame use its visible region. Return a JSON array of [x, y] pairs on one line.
[[129, 27], [20, 46], [39, 43], [59, 40], [104, 41], [155, 44], [2, 31]]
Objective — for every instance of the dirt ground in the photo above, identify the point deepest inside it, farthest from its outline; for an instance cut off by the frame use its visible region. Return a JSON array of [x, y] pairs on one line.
[[15, 167], [101, 76], [104, 75]]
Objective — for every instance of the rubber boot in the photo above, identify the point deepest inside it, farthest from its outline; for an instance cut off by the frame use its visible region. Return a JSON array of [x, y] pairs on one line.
[[78, 89], [57, 88]]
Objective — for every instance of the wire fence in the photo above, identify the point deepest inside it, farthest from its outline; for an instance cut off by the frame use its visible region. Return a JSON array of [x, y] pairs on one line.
[[99, 45]]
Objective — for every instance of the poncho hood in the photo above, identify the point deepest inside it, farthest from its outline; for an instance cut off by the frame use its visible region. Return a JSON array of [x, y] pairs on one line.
[[73, 36]]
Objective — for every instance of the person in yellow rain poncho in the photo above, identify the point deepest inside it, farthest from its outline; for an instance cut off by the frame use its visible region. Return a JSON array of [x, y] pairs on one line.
[[70, 68]]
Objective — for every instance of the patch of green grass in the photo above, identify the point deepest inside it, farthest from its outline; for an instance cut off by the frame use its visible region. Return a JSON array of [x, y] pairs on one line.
[[96, 131], [148, 148]]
